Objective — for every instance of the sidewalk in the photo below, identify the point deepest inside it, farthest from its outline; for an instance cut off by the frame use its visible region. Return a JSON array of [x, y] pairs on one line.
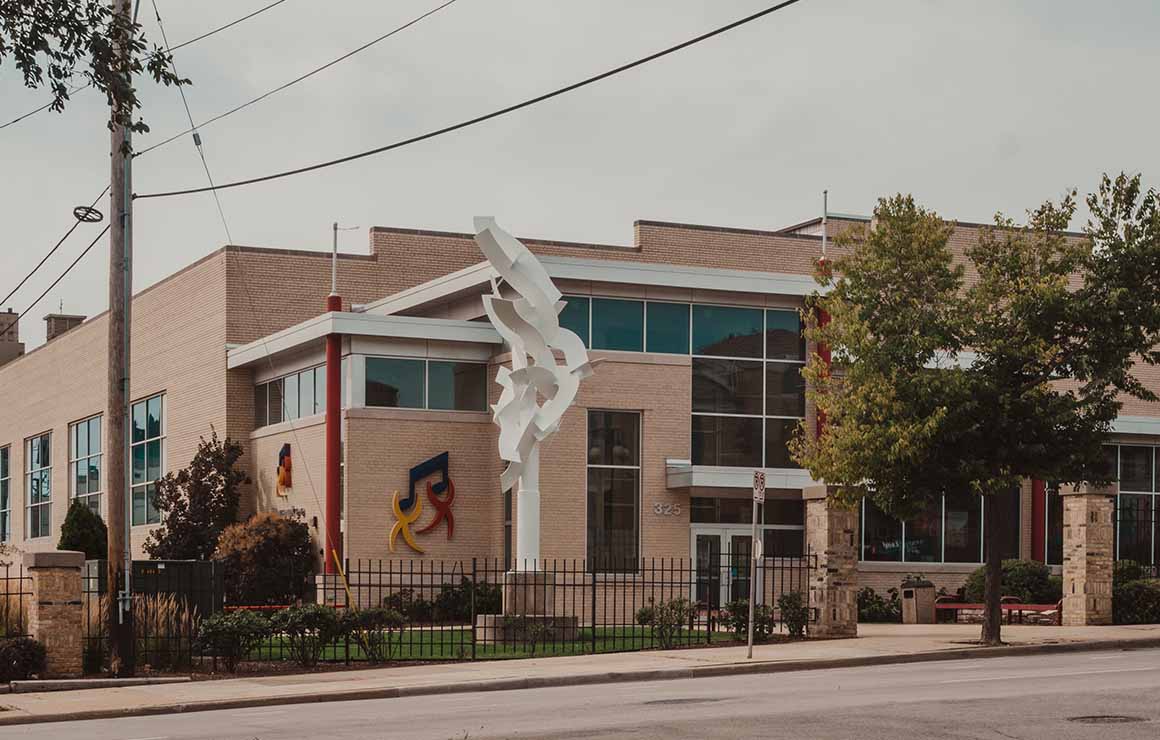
[[876, 644]]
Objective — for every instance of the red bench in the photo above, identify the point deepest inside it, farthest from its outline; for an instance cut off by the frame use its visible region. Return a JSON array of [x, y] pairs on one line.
[[1010, 605]]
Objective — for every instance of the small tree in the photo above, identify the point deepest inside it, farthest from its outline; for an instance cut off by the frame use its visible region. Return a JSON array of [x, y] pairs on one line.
[[198, 502], [84, 531], [940, 386]]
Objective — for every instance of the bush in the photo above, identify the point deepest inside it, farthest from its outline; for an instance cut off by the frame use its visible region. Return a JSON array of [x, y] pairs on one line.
[[373, 630], [266, 560], [531, 630], [453, 603], [1029, 580], [412, 607], [1136, 602], [875, 608], [666, 619], [1126, 571], [231, 636], [84, 531], [197, 503], [794, 613], [737, 620], [309, 629], [20, 659]]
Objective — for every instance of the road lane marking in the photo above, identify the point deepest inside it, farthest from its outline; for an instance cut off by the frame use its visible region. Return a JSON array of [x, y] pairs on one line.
[[1016, 676]]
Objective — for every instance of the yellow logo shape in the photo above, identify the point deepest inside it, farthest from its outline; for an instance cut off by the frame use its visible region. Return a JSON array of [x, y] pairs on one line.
[[404, 522]]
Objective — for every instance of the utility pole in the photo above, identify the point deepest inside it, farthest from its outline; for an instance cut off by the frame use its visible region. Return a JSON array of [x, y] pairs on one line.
[[117, 465]]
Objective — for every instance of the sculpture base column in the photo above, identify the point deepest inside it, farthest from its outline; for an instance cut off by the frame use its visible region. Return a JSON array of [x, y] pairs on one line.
[[529, 613]]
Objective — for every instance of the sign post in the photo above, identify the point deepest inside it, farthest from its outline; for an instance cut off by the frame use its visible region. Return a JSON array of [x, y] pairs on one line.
[[755, 551]]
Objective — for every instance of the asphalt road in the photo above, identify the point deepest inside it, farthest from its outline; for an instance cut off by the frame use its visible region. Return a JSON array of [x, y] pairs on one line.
[[1056, 697]]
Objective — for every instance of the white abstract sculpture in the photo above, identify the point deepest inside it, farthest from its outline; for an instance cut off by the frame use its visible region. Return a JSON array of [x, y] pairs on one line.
[[530, 324]]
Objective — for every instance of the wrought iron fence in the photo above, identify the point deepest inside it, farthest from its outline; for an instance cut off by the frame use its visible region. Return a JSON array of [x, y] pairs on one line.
[[15, 593], [455, 610]]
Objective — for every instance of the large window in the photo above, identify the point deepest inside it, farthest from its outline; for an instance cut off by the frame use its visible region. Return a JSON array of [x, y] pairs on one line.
[[147, 456], [617, 324], [613, 490], [290, 397], [782, 525], [948, 530], [84, 463], [38, 485], [5, 495], [745, 410], [430, 384]]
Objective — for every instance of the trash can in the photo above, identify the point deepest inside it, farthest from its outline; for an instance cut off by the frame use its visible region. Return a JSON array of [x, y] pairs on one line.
[[918, 601]]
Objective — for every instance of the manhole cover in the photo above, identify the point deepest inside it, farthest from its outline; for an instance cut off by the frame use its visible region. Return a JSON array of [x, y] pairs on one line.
[[694, 700], [1105, 719]]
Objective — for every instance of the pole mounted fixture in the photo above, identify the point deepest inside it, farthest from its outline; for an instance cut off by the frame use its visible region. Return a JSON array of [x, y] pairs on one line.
[[88, 214]]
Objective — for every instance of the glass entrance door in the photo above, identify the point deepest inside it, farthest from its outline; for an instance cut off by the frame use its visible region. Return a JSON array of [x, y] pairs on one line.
[[723, 560]]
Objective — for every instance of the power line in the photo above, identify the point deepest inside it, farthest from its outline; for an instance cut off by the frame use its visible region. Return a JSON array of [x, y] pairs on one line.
[[52, 251], [195, 39], [54, 282], [240, 263], [486, 117], [300, 78]]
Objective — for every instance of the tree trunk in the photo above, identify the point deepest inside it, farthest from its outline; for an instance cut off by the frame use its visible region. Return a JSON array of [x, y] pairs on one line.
[[992, 584]]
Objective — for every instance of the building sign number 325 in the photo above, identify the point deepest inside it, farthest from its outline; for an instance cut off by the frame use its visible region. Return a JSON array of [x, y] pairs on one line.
[[667, 509]]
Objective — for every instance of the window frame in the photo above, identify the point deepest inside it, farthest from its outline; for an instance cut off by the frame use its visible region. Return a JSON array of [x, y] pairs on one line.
[[589, 560], [144, 486], [6, 493], [44, 472], [426, 362], [942, 559], [75, 459], [317, 408]]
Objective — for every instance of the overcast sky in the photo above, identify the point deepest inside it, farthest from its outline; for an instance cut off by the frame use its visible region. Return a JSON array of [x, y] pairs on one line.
[[972, 106]]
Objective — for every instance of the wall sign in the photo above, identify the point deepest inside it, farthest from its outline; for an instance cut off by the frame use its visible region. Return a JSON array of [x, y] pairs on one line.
[[408, 511], [284, 479]]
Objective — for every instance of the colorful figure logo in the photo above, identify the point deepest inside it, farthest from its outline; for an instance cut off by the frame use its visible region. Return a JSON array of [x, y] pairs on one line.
[[408, 510], [284, 479]]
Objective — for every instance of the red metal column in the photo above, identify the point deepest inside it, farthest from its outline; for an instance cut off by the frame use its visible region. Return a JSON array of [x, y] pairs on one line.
[[1038, 520], [333, 521]]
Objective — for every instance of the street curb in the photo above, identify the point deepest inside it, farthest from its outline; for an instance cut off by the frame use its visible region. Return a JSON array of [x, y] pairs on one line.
[[512, 684], [74, 684]]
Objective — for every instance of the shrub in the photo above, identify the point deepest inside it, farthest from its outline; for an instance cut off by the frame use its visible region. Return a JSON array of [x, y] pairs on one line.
[[164, 625], [1126, 571], [1029, 580], [532, 630], [875, 608], [1136, 602], [231, 636], [20, 659], [412, 607], [309, 629], [794, 613], [666, 619], [737, 620], [373, 630], [266, 560], [198, 502], [453, 603], [84, 531]]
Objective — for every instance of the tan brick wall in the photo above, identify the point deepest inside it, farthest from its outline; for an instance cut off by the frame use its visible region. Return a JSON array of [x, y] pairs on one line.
[[307, 440]]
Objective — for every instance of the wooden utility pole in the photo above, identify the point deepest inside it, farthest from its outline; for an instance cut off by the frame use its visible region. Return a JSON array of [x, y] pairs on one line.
[[120, 613]]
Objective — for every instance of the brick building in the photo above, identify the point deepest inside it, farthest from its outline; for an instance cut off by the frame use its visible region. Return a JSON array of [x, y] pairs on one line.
[[697, 334]]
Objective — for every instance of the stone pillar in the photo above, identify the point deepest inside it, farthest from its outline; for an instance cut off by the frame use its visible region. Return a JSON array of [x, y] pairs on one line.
[[55, 611], [1088, 542], [831, 537]]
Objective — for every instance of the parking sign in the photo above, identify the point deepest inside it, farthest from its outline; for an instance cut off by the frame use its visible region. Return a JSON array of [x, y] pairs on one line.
[[759, 486]]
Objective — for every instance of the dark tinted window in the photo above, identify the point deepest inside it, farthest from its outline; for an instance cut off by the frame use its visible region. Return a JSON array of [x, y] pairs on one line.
[[783, 336], [668, 328], [617, 324], [394, 383], [727, 332], [726, 386], [727, 440]]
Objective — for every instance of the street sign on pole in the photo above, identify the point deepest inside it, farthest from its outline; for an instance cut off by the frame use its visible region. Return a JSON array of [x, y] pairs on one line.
[[754, 549]]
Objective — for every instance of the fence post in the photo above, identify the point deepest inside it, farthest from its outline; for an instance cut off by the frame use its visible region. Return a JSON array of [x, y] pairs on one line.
[[55, 609], [473, 579], [593, 575]]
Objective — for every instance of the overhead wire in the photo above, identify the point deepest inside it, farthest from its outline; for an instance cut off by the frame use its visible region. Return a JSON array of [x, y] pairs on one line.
[[482, 118]]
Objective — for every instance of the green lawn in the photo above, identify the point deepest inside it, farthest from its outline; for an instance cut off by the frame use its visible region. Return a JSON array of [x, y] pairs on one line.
[[454, 643]]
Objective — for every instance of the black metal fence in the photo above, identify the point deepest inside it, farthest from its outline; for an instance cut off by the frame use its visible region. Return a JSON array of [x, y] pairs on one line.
[[454, 610], [15, 593]]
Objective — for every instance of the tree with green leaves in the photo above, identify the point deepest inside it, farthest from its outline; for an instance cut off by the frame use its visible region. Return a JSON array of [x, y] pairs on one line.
[[197, 503], [942, 384], [59, 43], [84, 531]]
